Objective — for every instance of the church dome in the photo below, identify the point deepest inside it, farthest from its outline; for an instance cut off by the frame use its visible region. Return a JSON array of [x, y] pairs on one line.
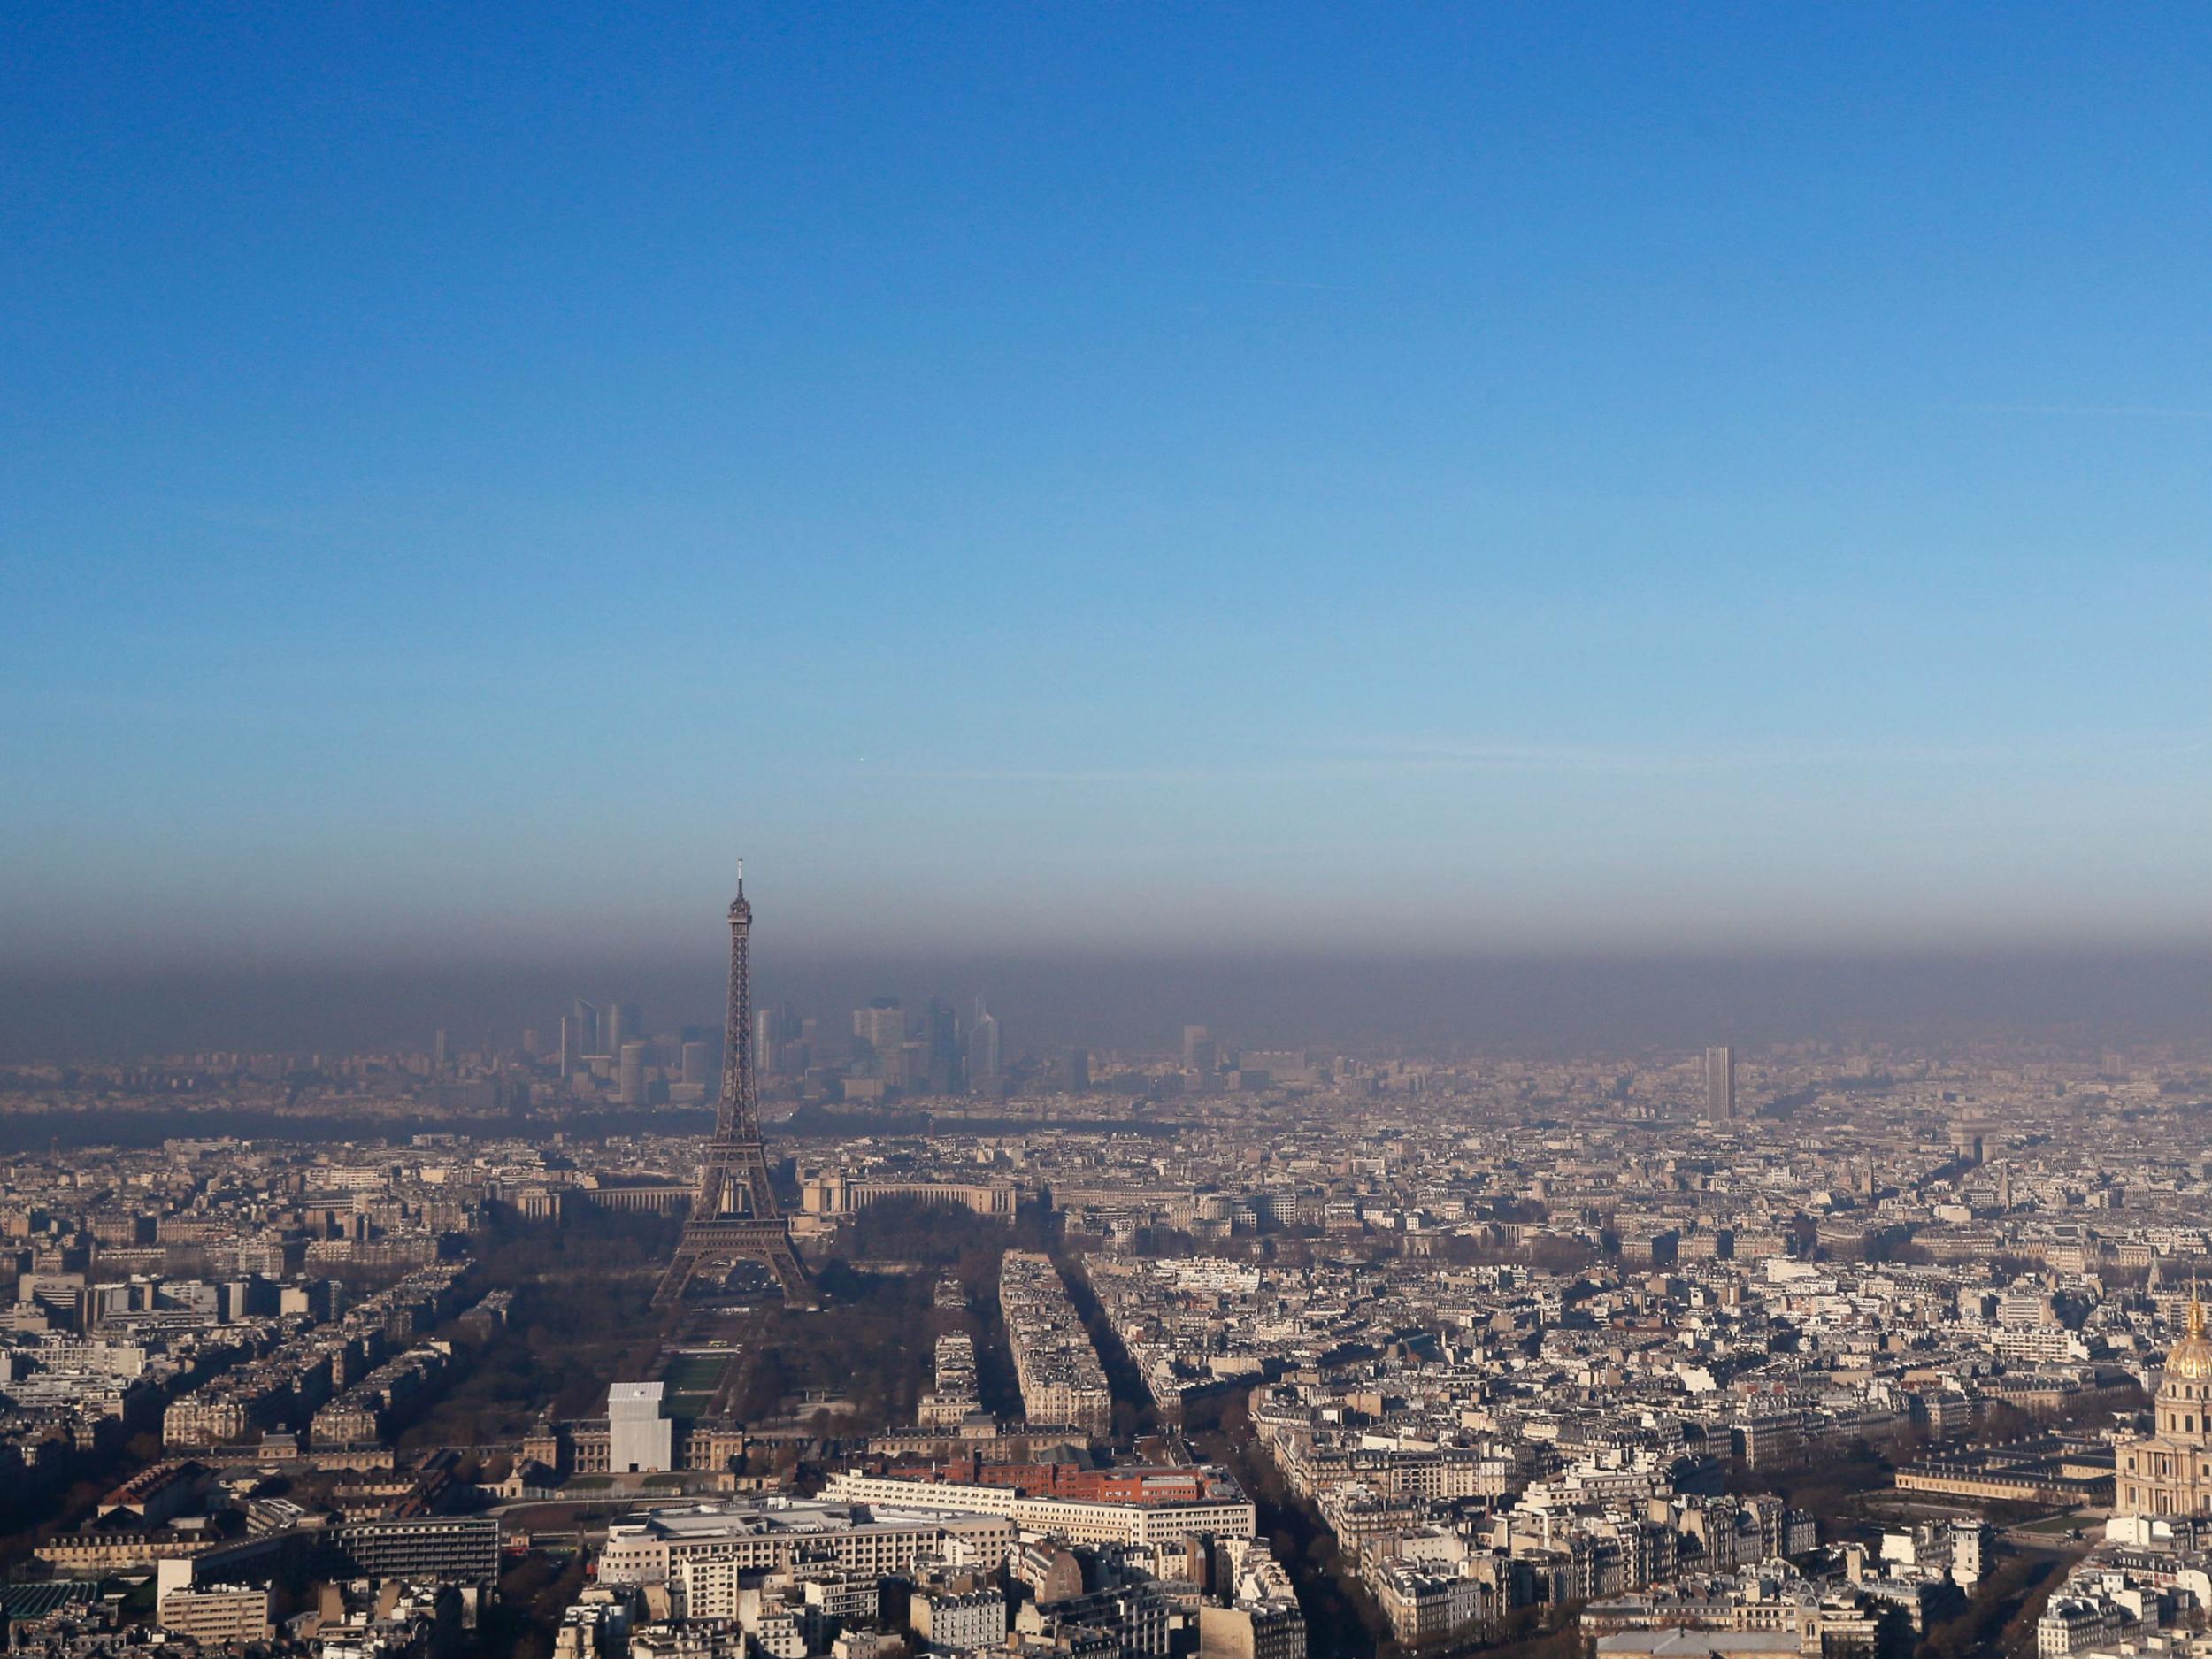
[[2190, 1360]]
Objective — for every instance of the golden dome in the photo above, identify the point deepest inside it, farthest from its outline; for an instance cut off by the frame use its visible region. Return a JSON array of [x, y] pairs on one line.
[[2190, 1360]]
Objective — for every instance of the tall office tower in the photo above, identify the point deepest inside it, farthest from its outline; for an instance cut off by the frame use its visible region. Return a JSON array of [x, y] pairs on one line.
[[572, 1047], [906, 1066], [986, 1055], [1720, 1085], [1199, 1053], [440, 1047], [622, 1026], [1079, 1070], [881, 1026], [631, 1077], [532, 1044], [735, 1216], [698, 1063], [940, 1035], [768, 1041], [587, 1017]]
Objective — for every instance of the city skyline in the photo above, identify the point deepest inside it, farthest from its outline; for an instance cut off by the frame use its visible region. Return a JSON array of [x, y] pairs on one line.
[[1435, 1006], [1503, 484]]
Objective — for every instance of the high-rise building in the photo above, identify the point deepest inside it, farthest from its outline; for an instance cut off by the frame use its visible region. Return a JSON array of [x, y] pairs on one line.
[[622, 1026], [631, 1077], [942, 1067], [698, 1064], [532, 1044], [572, 1045], [880, 1028], [985, 1054], [907, 1065], [782, 1042], [442, 1046], [1720, 1085], [587, 1017], [1078, 1069], [1199, 1052]]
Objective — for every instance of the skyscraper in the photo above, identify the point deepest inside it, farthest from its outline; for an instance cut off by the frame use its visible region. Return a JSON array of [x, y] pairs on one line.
[[881, 1027], [1079, 1070], [622, 1026], [941, 1031], [1199, 1052], [587, 1017], [986, 1055], [698, 1063], [1720, 1085], [572, 1045], [631, 1077]]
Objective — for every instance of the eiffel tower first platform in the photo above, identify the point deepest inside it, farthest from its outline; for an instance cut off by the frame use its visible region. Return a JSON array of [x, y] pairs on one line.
[[734, 1218]]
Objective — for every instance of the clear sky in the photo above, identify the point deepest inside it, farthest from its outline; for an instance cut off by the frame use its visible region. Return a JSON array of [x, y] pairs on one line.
[[1532, 476]]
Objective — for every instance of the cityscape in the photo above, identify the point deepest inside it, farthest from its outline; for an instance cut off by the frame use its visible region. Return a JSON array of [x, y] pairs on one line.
[[1106, 831], [928, 1342]]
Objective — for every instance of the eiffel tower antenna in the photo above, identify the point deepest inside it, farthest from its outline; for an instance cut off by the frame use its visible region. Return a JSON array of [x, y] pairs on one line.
[[733, 1216]]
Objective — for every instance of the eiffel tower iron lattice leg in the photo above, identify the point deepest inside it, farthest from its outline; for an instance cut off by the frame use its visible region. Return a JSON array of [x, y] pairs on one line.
[[735, 1216]]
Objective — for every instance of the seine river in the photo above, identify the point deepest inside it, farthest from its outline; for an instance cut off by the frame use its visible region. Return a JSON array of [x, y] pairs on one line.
[[138, 1129]]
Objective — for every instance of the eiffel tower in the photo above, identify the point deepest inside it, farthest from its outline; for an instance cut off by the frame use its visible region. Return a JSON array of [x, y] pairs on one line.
[[734, 1217]]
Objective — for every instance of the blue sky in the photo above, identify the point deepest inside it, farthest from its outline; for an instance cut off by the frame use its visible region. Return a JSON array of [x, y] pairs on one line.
[[1558, 478]]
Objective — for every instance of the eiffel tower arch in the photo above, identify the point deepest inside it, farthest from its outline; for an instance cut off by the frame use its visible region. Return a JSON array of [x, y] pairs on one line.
[[735, 1216]]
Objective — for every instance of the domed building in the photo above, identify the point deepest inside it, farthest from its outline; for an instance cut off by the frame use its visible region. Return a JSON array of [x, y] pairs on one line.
[[2169, 1472]]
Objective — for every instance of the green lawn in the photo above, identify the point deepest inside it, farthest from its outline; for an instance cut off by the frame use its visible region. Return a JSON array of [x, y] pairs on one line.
[[696, 1374]]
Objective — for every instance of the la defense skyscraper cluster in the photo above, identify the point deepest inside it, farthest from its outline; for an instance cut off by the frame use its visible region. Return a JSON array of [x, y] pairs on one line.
[[734, 1216]]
